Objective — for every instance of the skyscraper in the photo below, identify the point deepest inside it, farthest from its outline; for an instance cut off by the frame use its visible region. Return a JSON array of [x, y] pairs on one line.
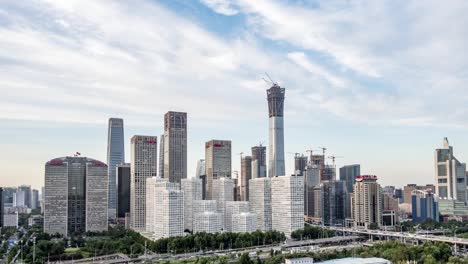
[[75, 195], [232, 208], [223, 191], [115, 155], [192, 188], [300, 163], [217, 163], [34, 199], [367, 202], [201, 174], [175, 146], [287, 203], [348, 174], [275, 96], [23, 196], [258, 161], [246, 175], [123, 190], [144, 158], [334, 196], [161, 156], [244, 222], [1, 207], [450, 174], [424, 206]]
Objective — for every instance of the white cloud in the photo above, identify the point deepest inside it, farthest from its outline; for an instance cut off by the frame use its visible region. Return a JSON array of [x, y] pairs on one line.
[[221, 6]]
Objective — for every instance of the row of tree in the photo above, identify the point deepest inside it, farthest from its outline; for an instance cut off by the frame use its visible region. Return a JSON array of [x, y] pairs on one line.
[[312, 232]]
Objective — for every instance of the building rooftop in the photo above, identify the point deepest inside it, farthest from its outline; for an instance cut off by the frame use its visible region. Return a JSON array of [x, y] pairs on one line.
[[357, 261]]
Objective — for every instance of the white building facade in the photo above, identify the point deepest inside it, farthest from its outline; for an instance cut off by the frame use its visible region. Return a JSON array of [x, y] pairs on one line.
[[97, 189], [244, 222], [232, 208], [193, 191], [260, 202], [223, 191], [287, 203]]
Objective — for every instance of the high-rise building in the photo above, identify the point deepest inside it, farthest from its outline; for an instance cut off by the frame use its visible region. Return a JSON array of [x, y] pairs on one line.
[[223, 191], [161, 156], [34, 199], [246, 175], [208, 222], [175, 146], [2, 209], [8, 197], [287, 203], [334, 196], [75, 195], [201, 174], [367, 202], [300, 164], [390, 210], [425, 206], [115, 155], [217, 163], [312, 179], [200, 206], [260, 202], [328, 173], [232, 208], [348, 174], [143, 165], [23, 196], [409, 188], [258, 161], [123, 190], [164, 208], [450, 174], [318, 160], [244, 222], [192, 188], [275, 96]]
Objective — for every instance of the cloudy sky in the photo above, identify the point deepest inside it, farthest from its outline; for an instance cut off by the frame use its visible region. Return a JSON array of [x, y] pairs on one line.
[[379, 83]]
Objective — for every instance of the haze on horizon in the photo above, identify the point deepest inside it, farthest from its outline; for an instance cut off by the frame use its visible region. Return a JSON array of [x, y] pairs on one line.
[[379, 83]]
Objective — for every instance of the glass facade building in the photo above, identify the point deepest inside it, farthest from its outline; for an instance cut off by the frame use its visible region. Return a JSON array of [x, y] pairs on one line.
[[115, 156]]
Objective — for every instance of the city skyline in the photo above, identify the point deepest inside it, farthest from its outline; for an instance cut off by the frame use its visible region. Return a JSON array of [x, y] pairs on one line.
[[340, 94]]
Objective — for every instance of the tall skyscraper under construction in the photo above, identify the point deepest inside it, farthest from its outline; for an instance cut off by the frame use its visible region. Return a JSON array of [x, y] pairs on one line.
[[275, 96]]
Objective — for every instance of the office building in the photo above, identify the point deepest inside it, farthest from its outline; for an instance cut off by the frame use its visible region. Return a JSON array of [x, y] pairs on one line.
[[334, 198], [164, 208], [200, 206], [115, 155], [201, 174], [287, 203], [23, 196], [232, 208], [143, 165], [275, 96], [328, 173], [300, 164], [2, 209], [425, 206], [10, 219], [123, 190], [175, 146], [408, 190], [209, 222], [318, 160], [161, 156], [450, 174], [8, 197], [75, 195], [217, 163], [192, 188], [398, 194], [223, 191], [348, 174], [246, 175], [34, 199], [244, 222], [367, 202], [260, 202], [258, 161], [312, 180]]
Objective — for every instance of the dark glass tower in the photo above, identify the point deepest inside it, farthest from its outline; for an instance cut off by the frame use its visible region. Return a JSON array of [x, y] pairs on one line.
[[275, 96], [115, 155]]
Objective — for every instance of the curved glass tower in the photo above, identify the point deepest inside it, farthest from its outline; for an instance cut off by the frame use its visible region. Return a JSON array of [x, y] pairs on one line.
[[275, 97]]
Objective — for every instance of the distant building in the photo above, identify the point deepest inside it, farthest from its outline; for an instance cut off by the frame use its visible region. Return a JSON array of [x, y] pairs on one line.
[[2, 209], [334, 198], [192, 188], [223, 191], [425, 206], [328, 173], [258, 161], [209, 222], [23, 196], [312, 180], [367, 202], [8, 197], [161, 156], [287, 203], [10, 219], [217, 163], [300, 164], [232, 208], [37, 220], [275, 96], [75, 195], [123, 189], [175, 146], [246, 175], [260, 202], [348, 174], [201, 174], [450, 174], [143, 165], [408, 189], [244, 222], [34, 199], [115, 155]]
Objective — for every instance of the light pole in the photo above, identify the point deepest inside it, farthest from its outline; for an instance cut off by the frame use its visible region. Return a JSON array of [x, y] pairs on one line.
[[34, 250]]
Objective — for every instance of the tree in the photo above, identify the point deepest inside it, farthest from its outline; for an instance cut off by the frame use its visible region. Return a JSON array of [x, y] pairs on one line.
[[245, 259]]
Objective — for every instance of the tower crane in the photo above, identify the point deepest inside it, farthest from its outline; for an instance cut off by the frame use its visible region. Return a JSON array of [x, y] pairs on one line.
[[333, 158]]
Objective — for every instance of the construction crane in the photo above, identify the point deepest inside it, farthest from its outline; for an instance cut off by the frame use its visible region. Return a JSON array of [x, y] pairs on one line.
[[296, 154], [240, 154], [323, 150], [269, 81], [333, 158]]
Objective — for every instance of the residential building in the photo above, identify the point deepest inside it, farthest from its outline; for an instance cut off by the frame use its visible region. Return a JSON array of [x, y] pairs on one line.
[[123, 189], [260, 202], [348, 174], [287, 203], [275, 96], [232, 208], [143, 165], [246, 175], [75, 195], [258, 161], [192, 188], [244, 222], [175, 146], [450, 174], [425, 206], [217, 163], [115, 155], [367, 202]]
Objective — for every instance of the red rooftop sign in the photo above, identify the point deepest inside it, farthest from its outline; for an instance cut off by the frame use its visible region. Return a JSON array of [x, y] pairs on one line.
[[373, 177]]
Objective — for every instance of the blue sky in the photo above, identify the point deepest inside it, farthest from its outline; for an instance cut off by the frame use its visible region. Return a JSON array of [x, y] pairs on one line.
[[377, 82]]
